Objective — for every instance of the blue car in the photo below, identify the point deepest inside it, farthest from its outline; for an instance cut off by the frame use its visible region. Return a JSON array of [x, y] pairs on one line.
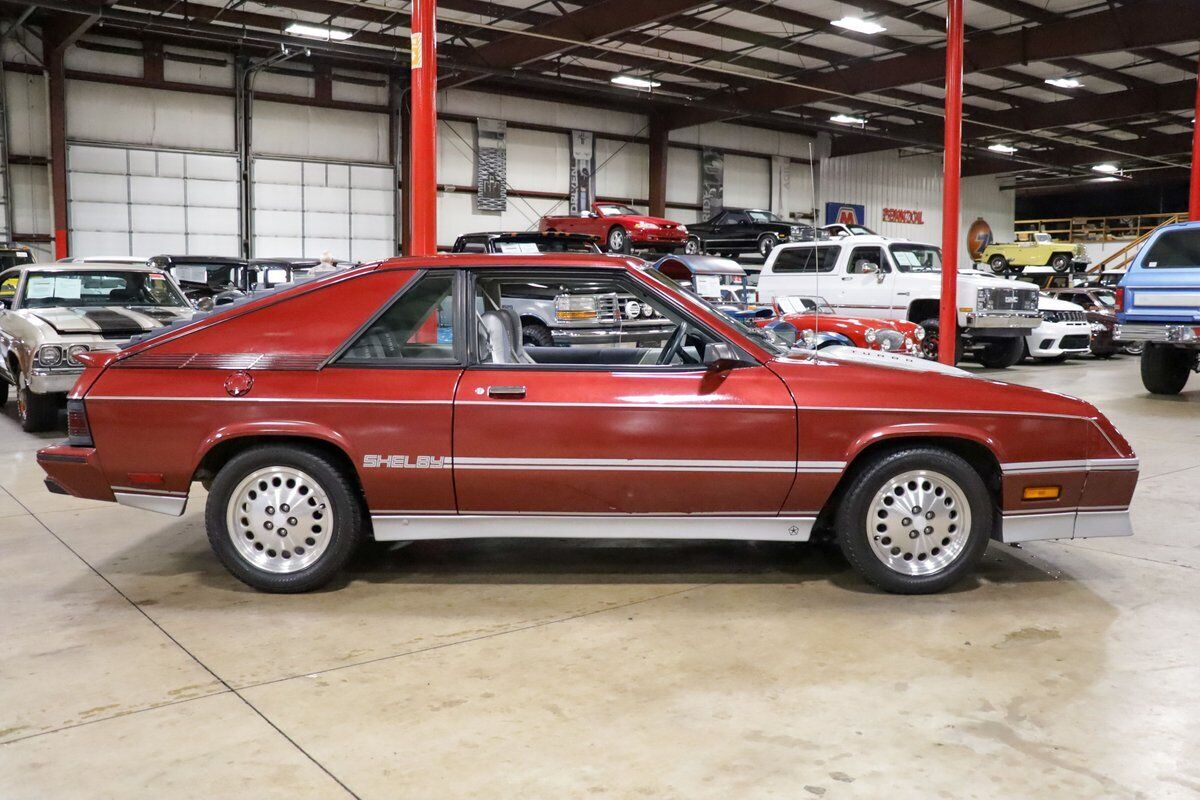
[[1158, 303]]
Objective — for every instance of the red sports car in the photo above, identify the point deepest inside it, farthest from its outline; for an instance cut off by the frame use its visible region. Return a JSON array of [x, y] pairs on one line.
[[406, 407], [621, 228], [818, 326]]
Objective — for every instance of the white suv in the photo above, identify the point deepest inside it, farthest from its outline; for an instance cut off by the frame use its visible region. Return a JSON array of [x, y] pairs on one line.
[[880, 277], [1065, 331]]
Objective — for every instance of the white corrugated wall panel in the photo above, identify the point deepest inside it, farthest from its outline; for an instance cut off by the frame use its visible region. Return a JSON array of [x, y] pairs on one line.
[[289, 129], [27, 121], [883, 180], [148, 117], [747, 182]]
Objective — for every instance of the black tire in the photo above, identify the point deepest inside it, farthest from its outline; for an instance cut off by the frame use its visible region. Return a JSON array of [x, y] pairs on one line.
[[344, 536], [1165, 369], [537, 335], [618, 240], [1002, 353], [3, 391], [693, 246], [1061, 262], [931, 344], [1133, 348], [35, 412], [766, 243], [858, 521], [999, 264]]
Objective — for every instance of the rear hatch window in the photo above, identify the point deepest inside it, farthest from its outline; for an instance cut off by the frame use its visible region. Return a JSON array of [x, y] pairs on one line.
[[1174, 250]]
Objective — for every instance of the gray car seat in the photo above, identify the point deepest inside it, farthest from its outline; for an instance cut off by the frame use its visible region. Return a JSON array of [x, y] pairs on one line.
[[514, 332]]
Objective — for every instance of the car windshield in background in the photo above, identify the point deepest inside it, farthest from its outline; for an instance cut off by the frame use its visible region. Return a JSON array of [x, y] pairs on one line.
[[916, 257], [764, 336], [544, 245], [1106, 299], [95, 288], [859, 230], [1174, 250], [616, 210], [763, 216]]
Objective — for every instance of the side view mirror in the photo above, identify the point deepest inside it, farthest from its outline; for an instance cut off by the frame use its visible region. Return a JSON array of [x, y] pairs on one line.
[[205, 304], [868, 268], [720, 356], [786, 331]]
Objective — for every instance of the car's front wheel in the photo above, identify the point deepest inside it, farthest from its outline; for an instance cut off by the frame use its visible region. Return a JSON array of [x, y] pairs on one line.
[[932, 343], [3, 391], [618, 240], [998, 264], [693, 246], [1002, 353], [36, 412], [283, 518], [1061, 263], [766, 243], [537, 335], [1165, 369], [916, 520]]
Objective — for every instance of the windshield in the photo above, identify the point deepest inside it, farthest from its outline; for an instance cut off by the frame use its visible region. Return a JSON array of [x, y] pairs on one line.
[[557, 244], [615, 210], [215, 276], [1105, 299], [97, 288], [766, 338], [803, 304], [916, 257], [859, 230], [763, 216]]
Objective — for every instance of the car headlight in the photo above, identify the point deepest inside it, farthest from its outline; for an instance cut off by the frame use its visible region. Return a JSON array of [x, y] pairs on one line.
[[568, 307], [870, 336], [919, 333], [645, 226], [984, 300], [73, 351], [809, 338], [647, 311], [49, 355], [632, 309], [682, 229], [885, 345]]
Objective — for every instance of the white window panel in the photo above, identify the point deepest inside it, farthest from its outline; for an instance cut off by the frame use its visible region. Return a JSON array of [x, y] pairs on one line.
[[372, 201], [326, 224], [323, 198], [159, 201], [277, 197], [272, 223]]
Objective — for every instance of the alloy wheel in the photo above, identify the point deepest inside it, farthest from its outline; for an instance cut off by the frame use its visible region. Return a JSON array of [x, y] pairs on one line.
[[279, 519], [918, 522]]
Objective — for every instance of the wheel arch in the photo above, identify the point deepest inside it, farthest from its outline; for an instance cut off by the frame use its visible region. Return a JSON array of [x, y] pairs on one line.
[[976, 448], [223, 445], [922, 309]]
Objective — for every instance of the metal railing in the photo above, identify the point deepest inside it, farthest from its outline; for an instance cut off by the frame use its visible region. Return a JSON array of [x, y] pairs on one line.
[[1117, 228]]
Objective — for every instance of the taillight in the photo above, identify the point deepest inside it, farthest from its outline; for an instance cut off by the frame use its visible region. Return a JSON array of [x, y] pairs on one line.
[[79, 433], [1120, 298]]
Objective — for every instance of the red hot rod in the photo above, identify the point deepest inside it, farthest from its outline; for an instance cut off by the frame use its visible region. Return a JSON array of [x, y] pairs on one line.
[[407, 407]]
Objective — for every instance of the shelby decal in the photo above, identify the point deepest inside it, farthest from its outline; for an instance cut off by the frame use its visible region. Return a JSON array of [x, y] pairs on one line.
[[406, 462]]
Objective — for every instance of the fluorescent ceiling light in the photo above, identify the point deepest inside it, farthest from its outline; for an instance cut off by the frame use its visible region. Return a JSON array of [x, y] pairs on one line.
[[635, 83], [859, 25], [1107, 169], [1007, 149], [845, 119], [1108, 179], [1064, 83], [318, 32]]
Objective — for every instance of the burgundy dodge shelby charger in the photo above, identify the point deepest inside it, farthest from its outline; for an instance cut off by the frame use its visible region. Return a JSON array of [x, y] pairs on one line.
[[396, 401]]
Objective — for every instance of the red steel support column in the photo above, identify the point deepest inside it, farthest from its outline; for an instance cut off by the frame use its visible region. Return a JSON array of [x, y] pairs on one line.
[[1194, 194], [422, 145], [952, 170], [56, 90]]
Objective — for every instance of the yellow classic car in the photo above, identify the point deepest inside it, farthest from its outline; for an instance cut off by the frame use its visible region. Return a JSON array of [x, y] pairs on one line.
[[1038, 250]]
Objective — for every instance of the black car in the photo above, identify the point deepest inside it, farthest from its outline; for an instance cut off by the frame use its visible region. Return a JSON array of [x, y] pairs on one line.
[[219, 279], [744, 230], [520, 242], [15, 255]]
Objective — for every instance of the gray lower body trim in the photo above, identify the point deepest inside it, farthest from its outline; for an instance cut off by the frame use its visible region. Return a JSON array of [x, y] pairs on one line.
[[160, 503], [1073, 524], [582, 526]]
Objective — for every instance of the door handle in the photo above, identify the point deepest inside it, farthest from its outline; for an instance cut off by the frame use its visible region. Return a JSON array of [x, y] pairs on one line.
[[507, 392], [847, 277]]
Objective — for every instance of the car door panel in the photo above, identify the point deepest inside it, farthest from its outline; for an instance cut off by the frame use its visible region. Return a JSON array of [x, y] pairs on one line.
[[586, 441]]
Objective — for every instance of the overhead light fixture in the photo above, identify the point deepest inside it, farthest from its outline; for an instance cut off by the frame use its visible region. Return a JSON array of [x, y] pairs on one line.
[[1107, 169], [634, 82], [859, 25], [846, 119], [318, 32], [1064, 83], [1007, 149]]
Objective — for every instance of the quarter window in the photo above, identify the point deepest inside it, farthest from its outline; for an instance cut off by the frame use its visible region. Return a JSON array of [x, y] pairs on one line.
[[806, 259], [417, 328], [1174, 250]]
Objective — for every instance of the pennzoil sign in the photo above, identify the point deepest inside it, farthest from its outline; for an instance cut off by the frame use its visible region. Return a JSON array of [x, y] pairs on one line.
[[904, 216]]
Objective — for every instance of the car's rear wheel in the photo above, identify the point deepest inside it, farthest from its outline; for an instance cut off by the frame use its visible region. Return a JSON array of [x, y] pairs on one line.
[[1165, 369], [766, 243], [36, 412], [1060, 263], [1002, 353], [1133, 348], [915, 521], [693, 246], [283, 518]]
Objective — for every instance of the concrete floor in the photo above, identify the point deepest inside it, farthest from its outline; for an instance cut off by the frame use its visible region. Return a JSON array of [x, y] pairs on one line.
[[132, 665]]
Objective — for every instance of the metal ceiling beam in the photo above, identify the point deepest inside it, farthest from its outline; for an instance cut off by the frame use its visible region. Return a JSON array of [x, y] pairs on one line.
[[1145, 24], [1157, 145]]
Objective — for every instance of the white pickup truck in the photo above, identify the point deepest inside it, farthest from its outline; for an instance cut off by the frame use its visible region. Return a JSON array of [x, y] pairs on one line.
[[879, 277]]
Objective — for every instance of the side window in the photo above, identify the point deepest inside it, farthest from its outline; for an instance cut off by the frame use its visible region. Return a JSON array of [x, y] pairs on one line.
[[861, 256], [595, 320], [806, 259], [418, 328]]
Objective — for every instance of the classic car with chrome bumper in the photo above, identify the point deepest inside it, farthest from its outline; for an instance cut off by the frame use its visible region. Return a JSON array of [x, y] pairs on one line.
[[1163, 334]]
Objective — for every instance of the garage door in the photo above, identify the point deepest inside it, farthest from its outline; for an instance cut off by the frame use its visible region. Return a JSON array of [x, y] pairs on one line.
[[303, 208], [134, 202]]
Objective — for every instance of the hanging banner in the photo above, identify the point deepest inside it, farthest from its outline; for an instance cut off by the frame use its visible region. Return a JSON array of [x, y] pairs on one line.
[[583, 171], [491, 165], [845, 214], [712, 183]]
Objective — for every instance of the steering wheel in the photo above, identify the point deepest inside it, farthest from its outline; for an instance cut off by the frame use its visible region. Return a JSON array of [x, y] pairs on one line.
[[673, 345]]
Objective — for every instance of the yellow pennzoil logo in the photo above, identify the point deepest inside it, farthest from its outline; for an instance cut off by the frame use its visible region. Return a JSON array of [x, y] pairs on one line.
[[372, 461]]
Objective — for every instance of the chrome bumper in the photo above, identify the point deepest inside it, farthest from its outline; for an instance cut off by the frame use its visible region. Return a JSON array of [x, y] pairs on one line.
[[1078, 524], [1000, 320], [43, 381], [1168, 334]]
